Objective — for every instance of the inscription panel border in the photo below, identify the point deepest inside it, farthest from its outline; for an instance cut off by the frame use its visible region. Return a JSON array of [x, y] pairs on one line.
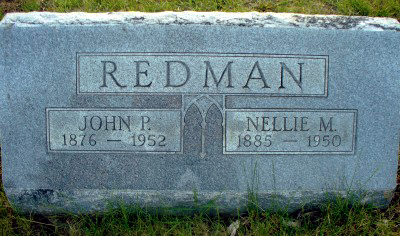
[[213, 54], [352, 152], [48, 109]]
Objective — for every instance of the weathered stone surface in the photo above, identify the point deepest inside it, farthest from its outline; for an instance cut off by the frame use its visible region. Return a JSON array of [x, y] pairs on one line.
[[178, 111]]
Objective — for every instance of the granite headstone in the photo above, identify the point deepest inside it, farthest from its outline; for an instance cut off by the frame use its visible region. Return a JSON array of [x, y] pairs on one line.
[[182, 110]]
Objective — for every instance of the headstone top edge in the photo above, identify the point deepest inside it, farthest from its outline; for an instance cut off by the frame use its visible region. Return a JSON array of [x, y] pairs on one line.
[[243, 19]]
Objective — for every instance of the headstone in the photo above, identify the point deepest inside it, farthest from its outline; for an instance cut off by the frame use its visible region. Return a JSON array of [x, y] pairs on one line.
[[186, 111]]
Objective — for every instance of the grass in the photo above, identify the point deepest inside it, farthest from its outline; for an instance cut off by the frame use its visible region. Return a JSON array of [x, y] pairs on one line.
[[383, 8], [334, 218], [341, 217]]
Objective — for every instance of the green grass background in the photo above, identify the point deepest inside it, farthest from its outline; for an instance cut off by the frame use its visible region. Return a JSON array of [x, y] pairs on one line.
[[381, 8], [333, 218]]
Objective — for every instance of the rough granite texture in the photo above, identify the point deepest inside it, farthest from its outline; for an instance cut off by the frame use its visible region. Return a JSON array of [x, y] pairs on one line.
[[248, 19], [56, 77]]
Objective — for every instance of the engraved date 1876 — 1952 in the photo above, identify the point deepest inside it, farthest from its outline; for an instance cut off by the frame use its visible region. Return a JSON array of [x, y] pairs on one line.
[[114, 130]]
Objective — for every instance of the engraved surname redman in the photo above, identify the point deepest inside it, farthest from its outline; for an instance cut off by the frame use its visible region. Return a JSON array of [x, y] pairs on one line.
[[202, 73], [255, 78]]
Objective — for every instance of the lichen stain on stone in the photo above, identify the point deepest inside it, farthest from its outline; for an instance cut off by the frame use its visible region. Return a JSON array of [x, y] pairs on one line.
[[388, 194], [385, 28], [37, 196], [340, 22], [136, 18]]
